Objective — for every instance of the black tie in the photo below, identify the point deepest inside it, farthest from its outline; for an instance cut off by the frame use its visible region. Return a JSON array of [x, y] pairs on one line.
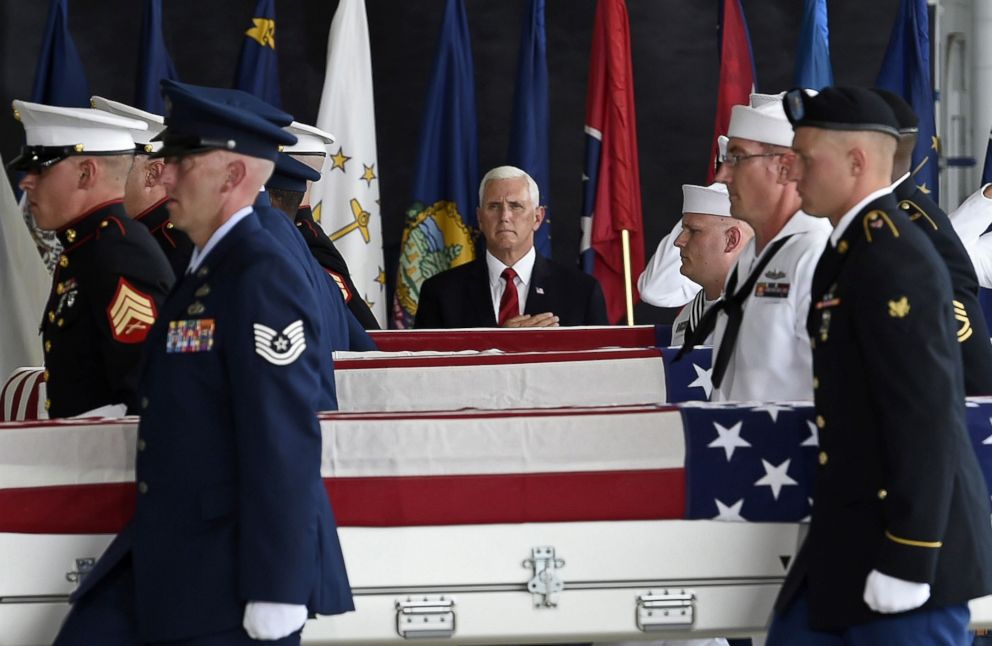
[[733, 304]]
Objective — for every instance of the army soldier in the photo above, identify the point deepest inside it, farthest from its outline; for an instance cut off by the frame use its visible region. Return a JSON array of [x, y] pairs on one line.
[[233, 539], [111, 278], [900, 539], [144, 197], [973, 333]]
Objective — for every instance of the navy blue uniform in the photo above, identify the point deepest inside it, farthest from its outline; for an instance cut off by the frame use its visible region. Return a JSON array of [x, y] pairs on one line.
[[231, 506], [898, 488], [107, 288]]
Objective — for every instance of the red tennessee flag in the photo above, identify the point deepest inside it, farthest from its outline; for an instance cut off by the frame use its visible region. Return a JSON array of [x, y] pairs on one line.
[[612, 195], [736, 71]]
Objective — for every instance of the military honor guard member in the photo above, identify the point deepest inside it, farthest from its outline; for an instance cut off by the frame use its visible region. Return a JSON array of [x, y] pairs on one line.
[[900, 537], [761, 350], [233, 539], [511, 285], [111, 277], [144, 196], [708, 245], [310, 149], [973, 331]]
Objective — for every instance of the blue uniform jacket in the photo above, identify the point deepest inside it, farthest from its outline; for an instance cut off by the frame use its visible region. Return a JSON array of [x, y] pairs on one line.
[[231, 506]]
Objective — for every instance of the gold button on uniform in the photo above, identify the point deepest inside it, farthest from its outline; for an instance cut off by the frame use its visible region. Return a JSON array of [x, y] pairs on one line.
[[842, 246], [51, 317], [45, 375], [823, 457], [70, 235], [142, 487], [60, 289], [169, 225], [820, 422], [48, 404], [63, 261], [61, 322], [48, 346], [105, 224], [882, 493]]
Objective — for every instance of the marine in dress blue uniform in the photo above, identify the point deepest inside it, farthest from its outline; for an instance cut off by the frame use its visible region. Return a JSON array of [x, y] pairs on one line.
[[111, 278], [233, 534], [900, 537]]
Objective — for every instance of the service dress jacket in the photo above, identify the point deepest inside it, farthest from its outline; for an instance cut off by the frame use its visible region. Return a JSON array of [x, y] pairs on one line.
[[175, 244]]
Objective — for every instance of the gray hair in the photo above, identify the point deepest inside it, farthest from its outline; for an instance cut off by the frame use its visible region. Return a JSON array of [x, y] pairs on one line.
[[510, 172]]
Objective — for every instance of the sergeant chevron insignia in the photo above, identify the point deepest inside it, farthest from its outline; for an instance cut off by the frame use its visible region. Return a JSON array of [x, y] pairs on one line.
[[342, 285], [131, 313], [961, 315], [280, 348], [899, 309]]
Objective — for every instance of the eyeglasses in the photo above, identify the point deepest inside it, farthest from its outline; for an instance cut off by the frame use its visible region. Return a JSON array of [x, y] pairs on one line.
[[734, 160]]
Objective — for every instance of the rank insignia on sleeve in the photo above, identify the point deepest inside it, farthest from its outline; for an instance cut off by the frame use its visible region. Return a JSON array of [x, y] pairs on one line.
[[195, 335], [342, 285], [280, 348], [131, 313], [899, 309], [961, 316]]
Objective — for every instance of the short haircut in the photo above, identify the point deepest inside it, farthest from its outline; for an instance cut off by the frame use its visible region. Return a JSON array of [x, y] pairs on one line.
[[510, 172], [286, 201]]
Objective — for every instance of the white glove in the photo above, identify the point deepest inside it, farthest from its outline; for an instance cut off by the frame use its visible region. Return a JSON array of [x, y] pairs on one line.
[[107, 410], [265, 620], [884, 593]]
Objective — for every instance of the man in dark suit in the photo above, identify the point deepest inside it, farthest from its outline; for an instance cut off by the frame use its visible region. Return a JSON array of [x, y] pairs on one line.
[[900, 539], [972, 332], [512, 285], [233, 539]]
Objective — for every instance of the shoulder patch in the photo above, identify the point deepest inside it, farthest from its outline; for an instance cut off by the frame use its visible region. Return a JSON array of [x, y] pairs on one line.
[[131, 313], [913, 210], [876, 220]]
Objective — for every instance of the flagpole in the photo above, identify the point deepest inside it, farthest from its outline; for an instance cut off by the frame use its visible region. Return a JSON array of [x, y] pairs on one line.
[[625, 238]]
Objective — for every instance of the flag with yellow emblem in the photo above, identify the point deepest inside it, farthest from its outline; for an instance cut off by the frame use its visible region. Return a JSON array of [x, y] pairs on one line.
[[346, 200], [258, 69]]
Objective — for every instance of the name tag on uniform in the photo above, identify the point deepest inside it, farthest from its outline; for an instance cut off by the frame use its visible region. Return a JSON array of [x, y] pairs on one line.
[[195, 335], [772, 290]]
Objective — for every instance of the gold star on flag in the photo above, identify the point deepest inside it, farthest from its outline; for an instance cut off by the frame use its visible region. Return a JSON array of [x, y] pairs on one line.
[[935, 143], [923, 188], [381, 278], [371, 304], [338, 160], [369, 173], [264, 32]]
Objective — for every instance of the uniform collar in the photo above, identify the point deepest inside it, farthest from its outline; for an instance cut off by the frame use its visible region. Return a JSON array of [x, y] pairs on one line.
[[155, 209], [81, 228], [200, 254], [845, 221]]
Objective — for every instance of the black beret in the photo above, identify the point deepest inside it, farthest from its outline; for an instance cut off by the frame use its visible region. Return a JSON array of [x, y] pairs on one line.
[[840, 108], [905, 115]]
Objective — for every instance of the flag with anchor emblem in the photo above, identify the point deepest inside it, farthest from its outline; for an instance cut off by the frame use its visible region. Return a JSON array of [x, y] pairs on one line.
[[280, 348], [345, 201]]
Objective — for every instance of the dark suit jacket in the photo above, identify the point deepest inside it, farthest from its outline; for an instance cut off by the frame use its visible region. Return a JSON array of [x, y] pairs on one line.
[[460, 297], [972, 332], [897, 487]]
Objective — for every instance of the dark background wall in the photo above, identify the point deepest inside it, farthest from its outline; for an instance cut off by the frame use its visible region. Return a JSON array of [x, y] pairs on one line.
[[674, 49]]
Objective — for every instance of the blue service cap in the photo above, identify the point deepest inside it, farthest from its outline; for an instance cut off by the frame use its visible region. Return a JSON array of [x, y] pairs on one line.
[[202, 119], [291, 174]]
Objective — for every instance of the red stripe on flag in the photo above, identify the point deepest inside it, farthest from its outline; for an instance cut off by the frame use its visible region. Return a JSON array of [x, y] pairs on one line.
[[392, 502]]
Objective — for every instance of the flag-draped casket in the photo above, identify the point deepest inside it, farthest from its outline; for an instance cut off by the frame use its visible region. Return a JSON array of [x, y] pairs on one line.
[[476, 526]]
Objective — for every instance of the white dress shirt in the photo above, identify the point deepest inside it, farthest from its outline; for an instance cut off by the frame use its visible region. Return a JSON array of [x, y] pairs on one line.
[[524, 268], [661, 283], [772, 360], [970, 221]]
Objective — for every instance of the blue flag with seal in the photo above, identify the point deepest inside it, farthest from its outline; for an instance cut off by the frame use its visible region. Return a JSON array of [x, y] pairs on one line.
[[154, 63], [59, 77], [258, 70], [906, 71], [813, 69], [440, 225], [530, 129]]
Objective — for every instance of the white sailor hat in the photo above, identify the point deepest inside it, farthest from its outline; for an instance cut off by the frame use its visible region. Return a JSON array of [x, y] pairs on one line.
[[721, 146], [54, 133], [766, 124], [155, 123], [708, 200], [309, 140]]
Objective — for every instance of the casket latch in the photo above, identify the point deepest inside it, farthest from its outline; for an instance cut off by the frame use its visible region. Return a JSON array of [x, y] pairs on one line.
[[425, 617], [664, 609], [545, 585]]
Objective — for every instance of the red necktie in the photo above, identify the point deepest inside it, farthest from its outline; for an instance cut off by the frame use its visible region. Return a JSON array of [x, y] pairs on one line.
[[509, 305]]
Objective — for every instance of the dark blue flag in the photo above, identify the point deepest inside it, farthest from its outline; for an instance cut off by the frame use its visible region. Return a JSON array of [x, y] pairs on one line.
[[689, 378], [258, 70], [906, 71], [440, 223], [59, 77], [530, 130], [154, 63], [813, 68]]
